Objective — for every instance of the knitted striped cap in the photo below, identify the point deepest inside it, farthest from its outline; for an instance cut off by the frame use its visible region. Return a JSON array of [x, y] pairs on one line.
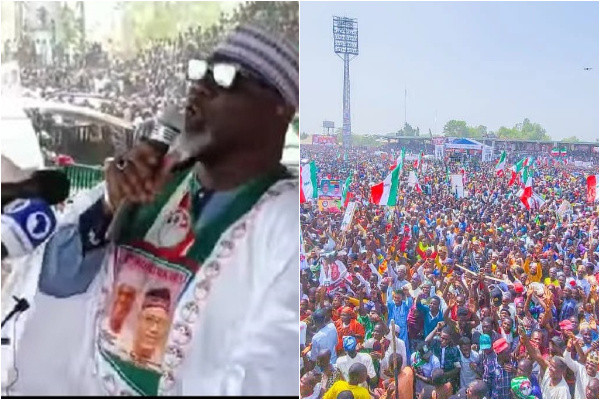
[[272, 57]]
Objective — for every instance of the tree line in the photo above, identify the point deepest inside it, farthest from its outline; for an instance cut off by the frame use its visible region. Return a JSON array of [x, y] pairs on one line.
[[525, 130]]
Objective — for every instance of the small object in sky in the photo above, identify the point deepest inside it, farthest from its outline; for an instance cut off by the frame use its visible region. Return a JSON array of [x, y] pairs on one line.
[[588, 68]]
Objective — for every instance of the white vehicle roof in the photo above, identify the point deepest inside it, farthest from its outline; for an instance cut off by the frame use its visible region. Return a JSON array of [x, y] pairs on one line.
[[18, 142]]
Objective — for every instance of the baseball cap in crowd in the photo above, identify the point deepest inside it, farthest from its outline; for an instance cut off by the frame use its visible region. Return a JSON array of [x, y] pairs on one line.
[[496, 297], [349, 343], [566, 325], [485, 342], [500, 345], [518, 287], [521, 387]]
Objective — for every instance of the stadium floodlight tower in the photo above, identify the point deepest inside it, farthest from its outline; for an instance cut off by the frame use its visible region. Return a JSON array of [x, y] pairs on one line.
[[345, 45]]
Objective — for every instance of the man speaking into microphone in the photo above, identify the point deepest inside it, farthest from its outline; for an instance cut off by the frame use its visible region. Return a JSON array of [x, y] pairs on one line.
[[197, 293]]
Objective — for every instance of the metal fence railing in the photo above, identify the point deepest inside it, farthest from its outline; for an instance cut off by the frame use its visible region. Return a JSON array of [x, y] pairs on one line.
[[82, 177]]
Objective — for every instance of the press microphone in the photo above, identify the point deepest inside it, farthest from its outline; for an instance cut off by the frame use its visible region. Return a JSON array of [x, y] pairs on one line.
[[25, 224], [49, 185]]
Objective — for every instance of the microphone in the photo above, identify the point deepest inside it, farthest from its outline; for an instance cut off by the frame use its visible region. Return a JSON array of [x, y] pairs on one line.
[[25, 224], [50, 185], [166, 137]]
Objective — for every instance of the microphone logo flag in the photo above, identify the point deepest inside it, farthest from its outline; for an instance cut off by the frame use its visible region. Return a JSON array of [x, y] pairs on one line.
[[38, 225]]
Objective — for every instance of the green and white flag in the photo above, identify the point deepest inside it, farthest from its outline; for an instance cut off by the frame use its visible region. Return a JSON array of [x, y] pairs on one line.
[[385, 193], [308, 182], [501, 164]]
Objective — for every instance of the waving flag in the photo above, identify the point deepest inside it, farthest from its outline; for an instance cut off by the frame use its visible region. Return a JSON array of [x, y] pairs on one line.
[[500, 164], [528, 161], [535, 201], [518, 169], [418, 162], [346, 195], [308, 182], [399, 161], [527, 191], [418, 185], [386, 192], [555, 152]]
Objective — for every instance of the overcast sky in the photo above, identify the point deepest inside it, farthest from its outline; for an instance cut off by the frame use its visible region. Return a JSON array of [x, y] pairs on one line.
[[492, 64]]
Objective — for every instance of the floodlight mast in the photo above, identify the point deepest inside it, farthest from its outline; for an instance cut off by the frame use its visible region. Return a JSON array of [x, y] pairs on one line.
[[345, 45]]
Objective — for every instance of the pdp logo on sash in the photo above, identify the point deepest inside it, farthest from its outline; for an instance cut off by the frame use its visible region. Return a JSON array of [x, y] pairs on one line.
[[174, 229]]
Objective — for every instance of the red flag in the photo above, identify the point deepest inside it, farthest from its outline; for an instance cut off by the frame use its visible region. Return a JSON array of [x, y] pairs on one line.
[[349, 196], [591, 188], [513, 178], [527, 193]]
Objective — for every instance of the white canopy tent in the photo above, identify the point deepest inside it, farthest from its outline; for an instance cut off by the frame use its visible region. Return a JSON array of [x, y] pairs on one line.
[[464, 144]]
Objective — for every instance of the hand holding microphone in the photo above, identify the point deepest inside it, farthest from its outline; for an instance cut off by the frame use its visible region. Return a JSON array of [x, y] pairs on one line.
[[139, 175], [26, 224]]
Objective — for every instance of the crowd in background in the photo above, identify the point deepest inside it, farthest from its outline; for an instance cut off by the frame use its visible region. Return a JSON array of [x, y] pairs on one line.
[[136, 87], [133, 87], [488, 299]]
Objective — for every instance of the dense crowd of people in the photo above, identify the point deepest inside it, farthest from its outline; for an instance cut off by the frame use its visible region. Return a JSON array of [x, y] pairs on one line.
[[488, 299], [137, 87], [134, 88]]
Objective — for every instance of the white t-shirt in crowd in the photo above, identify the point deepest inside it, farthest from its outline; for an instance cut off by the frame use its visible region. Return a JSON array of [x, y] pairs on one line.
[[303, 333], [345, 362], [560, 391], [581, 376]]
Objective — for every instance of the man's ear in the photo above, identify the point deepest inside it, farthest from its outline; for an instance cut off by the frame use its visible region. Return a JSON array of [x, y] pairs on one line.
[[285, 111]]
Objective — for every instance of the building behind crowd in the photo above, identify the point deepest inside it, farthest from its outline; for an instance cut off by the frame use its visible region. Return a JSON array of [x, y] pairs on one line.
[[427, 144]]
